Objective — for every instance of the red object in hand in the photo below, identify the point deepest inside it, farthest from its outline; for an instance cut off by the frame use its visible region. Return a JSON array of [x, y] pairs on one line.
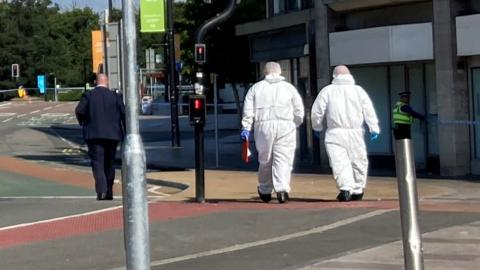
[[246, 151]]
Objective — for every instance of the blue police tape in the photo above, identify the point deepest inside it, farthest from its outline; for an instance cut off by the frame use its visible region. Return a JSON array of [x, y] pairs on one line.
[[459, 122], [8, 90]]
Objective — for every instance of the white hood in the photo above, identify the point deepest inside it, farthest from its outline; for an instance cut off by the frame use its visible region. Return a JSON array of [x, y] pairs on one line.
[[343, 79], [274, 78]]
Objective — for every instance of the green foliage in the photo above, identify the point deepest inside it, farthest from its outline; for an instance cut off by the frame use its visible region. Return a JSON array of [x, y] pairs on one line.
[[227, 54], [65, 96], [43, 40]]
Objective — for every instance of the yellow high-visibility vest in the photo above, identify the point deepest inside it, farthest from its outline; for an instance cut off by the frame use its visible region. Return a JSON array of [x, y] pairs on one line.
[[400, 117]]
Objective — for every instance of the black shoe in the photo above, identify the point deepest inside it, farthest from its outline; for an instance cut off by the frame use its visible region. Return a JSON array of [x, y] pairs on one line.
[[282, 197], [101, 196], [344, 196], [264, 197], [357, 197], [109, 195]]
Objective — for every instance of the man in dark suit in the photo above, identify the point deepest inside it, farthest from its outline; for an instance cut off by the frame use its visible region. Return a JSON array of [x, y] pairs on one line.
[[101, 113]]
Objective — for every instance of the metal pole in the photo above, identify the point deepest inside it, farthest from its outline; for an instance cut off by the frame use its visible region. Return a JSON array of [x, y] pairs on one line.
[[55, 91], [105, 48], [110, 7], [175, 127], [215, 109], [199, 165], [135, 214], [122, 53], [407, 191], [199, 140], [84, 75]]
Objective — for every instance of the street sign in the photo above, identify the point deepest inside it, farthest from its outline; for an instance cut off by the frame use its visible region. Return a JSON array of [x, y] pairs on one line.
[[41, 83], [97, 51], [152, 16], [179, 65]]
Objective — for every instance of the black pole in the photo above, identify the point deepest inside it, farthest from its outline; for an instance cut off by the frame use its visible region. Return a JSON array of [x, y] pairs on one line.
[[84, 75], [199, 139], [110, 7], [175, 128], [313, 85], [199, 164]]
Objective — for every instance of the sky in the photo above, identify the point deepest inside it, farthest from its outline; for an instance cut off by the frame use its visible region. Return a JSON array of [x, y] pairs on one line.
[[97, 5]]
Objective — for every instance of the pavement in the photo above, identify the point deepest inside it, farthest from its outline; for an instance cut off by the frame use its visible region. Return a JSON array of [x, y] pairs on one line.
[[454, 247], [233, 229]]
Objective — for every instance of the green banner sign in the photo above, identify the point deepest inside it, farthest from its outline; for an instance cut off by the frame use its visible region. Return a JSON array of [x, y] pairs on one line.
[[152, 16]]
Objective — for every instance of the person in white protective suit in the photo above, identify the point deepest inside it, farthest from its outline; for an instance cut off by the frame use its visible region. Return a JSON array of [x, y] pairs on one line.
[[346, 107], [275, 109]]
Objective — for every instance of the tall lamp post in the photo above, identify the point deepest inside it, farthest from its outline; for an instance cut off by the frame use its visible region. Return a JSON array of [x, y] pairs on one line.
[[135, 210], [175, 128]]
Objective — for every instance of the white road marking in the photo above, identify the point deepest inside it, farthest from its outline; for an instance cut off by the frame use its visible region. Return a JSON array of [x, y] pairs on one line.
[[154, 190], [267, 241], [47, 108], [21, 115], [6, 114], [6, 120], [55, 114], [69, 143], [68, 197], [5, 104], [65, 217], [34, 111], [60, 218]]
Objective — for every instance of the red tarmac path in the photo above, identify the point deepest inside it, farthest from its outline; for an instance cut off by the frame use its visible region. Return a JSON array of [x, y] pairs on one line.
[[111, 218]]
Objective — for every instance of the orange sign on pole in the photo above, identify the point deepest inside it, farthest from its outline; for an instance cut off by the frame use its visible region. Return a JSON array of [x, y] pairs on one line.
[[97, 50]]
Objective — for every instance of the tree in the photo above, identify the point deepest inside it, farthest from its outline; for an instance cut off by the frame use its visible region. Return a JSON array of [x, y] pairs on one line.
[[42, 40], [227, 54]]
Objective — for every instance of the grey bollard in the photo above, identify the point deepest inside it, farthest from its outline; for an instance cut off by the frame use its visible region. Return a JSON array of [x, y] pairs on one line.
[[407, 192]]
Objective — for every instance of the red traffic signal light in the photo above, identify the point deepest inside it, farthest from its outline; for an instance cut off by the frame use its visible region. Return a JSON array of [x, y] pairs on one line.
[[197, 109], [200, 53], [198, 104]]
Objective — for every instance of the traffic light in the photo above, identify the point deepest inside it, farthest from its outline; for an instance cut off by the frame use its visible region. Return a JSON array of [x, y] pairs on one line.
[[15, 71], [197, 110], [200, 53]]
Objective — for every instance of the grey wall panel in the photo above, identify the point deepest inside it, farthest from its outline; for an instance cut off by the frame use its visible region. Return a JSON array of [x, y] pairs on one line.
[[382, 44], [468, 35], [284, 44], [411, 42], [360, 46]]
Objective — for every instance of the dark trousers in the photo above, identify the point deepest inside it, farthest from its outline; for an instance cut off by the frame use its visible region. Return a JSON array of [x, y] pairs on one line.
[[402, 131], [102, 155]]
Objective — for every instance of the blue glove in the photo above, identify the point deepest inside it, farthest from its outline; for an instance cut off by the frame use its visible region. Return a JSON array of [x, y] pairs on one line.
[[373, 136], [244, 135]]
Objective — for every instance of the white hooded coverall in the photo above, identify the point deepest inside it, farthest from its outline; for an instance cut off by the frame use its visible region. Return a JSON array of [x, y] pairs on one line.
[[346, 107], [276, 110]]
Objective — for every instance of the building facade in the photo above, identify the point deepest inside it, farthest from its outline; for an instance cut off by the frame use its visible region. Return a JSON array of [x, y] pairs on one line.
[[430, 48]]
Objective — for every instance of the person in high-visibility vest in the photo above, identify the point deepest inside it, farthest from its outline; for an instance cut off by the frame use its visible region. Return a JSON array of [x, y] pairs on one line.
[[402, 117], [21, 92]]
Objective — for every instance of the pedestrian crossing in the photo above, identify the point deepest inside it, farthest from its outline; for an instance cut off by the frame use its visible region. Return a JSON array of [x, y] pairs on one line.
[[37, 117], [46, 120]]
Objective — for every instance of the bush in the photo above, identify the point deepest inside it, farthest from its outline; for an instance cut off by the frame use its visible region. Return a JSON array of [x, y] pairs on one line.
[[65, 96]]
